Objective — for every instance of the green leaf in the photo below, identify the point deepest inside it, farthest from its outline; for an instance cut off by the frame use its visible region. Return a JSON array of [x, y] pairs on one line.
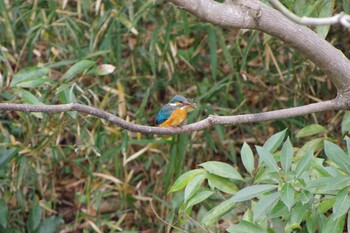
[[334, 225], [279, 210], [311, 130], [312, 145], [326, 10], [222, 184], [342, 203], [337, 155], [244, 227], [311, 221], [193, 186], [298, 214], [80, 67], [199, 197], [50, 225], [217, 212], [34, 216], [4, 213], [221, 169], [275, 141], [30, 77], [345, 124], [265, 205], [305, 197], [212, 43], [247, 158], [303, 164], [226, 48], [246, 51], [29, 98], [346, 9], [287, 155], [252, 191], [348, 222], [183, 180], [267, 158], [66, 95], [6, 155], [347, 139], [325, 205], [287, 195], [141, 110], [248, 215], [328, 183]]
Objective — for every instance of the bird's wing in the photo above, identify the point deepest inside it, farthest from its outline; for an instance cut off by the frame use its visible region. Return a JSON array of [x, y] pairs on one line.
[[164, 113]]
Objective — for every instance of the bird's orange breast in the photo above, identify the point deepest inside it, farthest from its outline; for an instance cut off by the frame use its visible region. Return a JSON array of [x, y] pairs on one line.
[[176, 118]]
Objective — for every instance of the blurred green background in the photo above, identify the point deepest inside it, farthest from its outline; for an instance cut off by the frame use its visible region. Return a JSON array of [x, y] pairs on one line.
[[94, 176]]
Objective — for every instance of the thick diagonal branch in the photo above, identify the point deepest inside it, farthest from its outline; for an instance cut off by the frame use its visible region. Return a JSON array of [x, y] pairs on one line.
[[334, 104], [254, 14]]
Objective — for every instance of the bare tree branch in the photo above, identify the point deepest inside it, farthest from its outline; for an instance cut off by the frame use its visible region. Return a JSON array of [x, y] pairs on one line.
[[341, 18], [254, 14], [334, 104]]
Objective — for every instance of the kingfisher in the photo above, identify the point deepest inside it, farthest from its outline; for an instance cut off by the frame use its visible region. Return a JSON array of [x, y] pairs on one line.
[[175, 112]]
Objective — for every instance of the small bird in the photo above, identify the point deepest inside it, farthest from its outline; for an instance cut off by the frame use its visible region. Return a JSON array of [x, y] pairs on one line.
[[175, 112]]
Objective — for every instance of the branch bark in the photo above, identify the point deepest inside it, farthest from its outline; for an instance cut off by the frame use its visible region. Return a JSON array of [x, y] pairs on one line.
[[254, 14], [212, 120]]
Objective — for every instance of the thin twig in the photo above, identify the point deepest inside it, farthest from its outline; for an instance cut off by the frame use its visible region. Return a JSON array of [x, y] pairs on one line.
[[211, 120], [341, 18]]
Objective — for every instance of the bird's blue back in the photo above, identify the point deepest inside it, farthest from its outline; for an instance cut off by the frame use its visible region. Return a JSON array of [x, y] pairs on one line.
[[165, 112]]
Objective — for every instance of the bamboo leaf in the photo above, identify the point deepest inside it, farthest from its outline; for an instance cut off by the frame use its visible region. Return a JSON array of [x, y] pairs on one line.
[[30, 77], [212, 43], [247, 158], [267, 158], [342, 203], [334, 225], [4, 212], [222, 184], [221, 169], [244, 227], [80, 67], [183, 180], [275, 141], [35, 215], [287, 195], [265, 205], [217, 212], [287, 155], [311, 130], [198, 198], [193, 186], [337, 155], [252, 191], [303, 164]]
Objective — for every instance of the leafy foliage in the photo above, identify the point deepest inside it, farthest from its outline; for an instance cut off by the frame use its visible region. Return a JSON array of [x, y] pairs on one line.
[[293, 193]]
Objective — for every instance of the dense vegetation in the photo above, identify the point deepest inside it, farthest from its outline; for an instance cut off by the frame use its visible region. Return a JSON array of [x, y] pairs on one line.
[[94, 176]]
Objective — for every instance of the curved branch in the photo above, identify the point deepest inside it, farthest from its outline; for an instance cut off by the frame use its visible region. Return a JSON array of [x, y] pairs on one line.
[[254, 14], [334, 104], [341, 18]]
